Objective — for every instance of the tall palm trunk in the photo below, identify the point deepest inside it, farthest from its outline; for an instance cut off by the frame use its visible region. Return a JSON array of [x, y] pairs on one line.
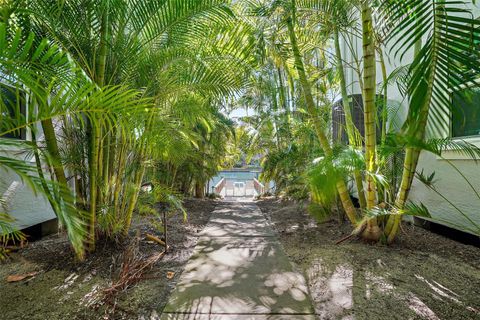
[[411, 154], [138, 177], [134, 195], [284, 103], [118, 177], [199, 189], [348, 119], [385, 95], [95, 128], [53, 151], [275, 117], [383, 192], [43, 180], [93, 174], [372, 231], [112, 153], [317, 121]]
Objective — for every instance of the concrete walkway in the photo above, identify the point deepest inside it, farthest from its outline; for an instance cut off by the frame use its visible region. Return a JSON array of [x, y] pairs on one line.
[[239, 271]]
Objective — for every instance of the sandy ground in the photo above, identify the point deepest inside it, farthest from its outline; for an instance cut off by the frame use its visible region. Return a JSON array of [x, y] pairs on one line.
[[66, 289], [421, 276]]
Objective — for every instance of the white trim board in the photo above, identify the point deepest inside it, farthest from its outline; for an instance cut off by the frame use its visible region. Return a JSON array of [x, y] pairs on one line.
[[455, 155]]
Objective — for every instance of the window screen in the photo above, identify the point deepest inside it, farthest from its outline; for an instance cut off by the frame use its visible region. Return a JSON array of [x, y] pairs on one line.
[[12, 107], [466, 113]]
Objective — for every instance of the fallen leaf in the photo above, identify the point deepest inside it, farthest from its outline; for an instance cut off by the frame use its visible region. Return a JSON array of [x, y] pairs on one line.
[[170, 274], [20, 277]]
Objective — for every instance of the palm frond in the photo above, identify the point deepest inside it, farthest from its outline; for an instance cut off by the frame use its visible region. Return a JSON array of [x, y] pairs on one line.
[[448, 59]]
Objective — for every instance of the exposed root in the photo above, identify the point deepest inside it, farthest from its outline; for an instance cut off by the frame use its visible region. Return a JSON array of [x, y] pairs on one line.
[[131, 272], [345, 238], [355, 233], [151, 237]]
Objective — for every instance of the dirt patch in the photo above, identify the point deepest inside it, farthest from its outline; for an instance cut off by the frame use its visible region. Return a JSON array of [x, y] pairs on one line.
[[421, 276], [65, 288]]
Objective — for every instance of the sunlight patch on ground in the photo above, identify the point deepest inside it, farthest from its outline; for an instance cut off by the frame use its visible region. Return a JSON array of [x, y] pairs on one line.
[[244, 271], [335, 289], [291, 282]]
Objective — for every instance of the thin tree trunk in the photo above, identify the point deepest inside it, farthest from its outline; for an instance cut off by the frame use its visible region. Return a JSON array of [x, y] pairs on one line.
[[199, 190], [372, 231], [105, 162], [53, 151], [411, 155], [174, 176], [351, 130], [117, 178], [275, 124], [138, 176], [385, 96], [93, 167], [382, 192], [112, 152], [133, 200], [317, 121], [284, 103], [45, 187], [291, 84], [96, 131], [103, 50]]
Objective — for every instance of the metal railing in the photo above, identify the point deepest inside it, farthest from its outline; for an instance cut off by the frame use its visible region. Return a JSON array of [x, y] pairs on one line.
[[219, 186], [259, 187]]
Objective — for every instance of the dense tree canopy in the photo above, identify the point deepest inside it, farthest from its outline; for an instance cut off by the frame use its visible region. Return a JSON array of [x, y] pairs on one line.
[[120, 92]]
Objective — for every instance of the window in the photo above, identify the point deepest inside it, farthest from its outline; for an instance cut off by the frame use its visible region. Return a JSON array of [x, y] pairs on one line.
[[466, 113], [12, 106], [339, 131]]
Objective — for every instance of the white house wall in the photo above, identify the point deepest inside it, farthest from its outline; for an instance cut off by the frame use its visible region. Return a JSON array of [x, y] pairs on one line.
[[26, 207], [451, 184]]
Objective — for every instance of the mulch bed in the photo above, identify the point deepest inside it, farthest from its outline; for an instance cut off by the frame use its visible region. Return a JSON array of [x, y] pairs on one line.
[[67, 289]]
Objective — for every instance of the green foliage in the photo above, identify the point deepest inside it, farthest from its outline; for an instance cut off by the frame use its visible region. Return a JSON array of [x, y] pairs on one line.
[[322, 178], [170, 198], [145, 209], [411, 209], [285, 168], [444, 37], [213, 196], [428, 180], [136, 91], [161, 197], [417, 210], [318, 211], [451, 45], [8, 234], [326, 171], [131, 85]]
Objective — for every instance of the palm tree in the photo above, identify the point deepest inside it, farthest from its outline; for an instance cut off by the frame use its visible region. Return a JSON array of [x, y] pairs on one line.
[[55, 89], [440, 67], [112, 42], [447, 59], [320, 127], [336, 18], [110, 45]]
